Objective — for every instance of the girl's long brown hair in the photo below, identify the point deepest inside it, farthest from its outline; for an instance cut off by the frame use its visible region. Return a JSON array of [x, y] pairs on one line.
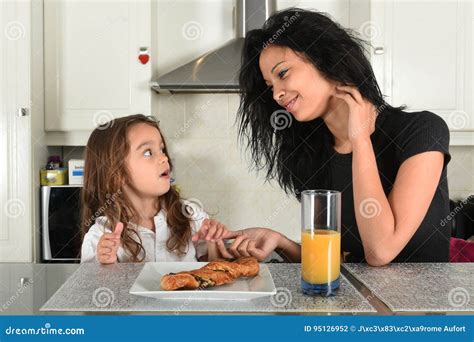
[[105, 172]]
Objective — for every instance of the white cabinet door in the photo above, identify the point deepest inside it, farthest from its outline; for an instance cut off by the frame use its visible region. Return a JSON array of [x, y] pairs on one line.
[[17, 289], [15, 133], [427, 57], [92, 70]]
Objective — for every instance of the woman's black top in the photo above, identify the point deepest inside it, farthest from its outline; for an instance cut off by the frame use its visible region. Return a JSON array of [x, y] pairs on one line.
[[398, 136]]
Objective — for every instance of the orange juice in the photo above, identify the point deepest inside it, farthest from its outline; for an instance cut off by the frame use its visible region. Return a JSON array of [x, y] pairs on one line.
[[320, 256]]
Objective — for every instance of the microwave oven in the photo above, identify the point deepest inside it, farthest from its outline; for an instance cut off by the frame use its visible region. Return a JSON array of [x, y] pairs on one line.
[[60, 223]]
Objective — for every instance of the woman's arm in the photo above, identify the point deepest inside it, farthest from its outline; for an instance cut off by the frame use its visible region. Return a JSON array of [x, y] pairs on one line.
[[260, 243], [289, 249], [387, 224]]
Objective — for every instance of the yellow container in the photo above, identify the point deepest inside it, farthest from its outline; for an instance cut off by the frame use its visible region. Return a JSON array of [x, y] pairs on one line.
[[54, 177]]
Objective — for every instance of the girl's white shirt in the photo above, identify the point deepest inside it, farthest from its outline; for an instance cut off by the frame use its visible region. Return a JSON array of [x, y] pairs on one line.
[[154, 243]]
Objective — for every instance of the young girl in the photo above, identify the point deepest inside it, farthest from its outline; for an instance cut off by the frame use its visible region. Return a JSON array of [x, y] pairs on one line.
[[314, 117], [138, 216]]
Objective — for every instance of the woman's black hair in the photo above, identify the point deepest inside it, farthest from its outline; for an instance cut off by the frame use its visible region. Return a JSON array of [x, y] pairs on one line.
[[297, 156]]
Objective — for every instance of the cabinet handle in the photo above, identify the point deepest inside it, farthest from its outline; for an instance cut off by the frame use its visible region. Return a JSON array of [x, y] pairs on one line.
[[379, 50], [24, 281], [23, 112]]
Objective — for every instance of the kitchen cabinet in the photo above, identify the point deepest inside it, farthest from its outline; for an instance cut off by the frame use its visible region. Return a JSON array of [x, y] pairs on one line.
[[423, 57], [15, 132], [92, 68], [25, 287], [16, 289]]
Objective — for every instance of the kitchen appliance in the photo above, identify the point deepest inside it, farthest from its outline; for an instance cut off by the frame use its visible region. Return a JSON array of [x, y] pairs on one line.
[[217, 71], [463, 218], [60, 223]]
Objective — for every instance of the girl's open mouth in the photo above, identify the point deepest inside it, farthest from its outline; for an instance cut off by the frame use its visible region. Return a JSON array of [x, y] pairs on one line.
[[165, 174]]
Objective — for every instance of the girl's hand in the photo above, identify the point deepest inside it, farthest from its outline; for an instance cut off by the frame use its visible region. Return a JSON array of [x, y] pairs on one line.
[[362, 113], [211, 230], [108, 246]]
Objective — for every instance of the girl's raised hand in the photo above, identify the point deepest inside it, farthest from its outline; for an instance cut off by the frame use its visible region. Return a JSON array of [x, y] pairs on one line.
[[108, 245], [211, 230]]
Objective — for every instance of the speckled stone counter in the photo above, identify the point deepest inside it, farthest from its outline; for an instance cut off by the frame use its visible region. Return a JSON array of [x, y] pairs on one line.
[[96, 288], [420, 287]]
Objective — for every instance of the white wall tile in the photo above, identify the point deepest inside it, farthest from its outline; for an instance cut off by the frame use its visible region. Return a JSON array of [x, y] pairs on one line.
[[248, 208], [170, 112], [206, 116], [201, 163]]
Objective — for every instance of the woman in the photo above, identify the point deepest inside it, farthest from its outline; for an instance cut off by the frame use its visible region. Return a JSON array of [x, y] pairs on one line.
[[313, 116]]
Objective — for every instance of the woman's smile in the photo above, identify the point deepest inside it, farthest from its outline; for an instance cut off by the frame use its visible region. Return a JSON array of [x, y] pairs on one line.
[[291, 105]]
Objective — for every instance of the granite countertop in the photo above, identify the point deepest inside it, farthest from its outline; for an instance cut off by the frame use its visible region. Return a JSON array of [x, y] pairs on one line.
[[98, 288], [420, 287]]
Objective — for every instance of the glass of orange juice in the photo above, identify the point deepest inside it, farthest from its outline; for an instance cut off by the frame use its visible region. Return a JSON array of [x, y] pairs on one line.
[[320, 241]]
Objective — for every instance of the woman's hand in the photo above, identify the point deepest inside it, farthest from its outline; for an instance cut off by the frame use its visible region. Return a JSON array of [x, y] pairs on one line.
[[362, 113], [108, 245], [256, 242]]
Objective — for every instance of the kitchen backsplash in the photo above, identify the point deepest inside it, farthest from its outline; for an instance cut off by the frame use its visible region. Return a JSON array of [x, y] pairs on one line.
[[211, 168]]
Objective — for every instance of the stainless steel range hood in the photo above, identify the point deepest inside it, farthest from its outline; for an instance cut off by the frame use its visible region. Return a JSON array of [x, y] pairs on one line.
[[217, 71]]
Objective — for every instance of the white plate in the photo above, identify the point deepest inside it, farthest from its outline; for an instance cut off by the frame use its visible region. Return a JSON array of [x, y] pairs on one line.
[[148, 284]]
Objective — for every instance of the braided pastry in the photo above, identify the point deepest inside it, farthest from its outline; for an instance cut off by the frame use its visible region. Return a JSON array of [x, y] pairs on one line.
[[214, 273]]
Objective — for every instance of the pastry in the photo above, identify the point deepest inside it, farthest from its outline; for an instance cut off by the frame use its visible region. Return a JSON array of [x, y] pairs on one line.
[[214, 273]]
